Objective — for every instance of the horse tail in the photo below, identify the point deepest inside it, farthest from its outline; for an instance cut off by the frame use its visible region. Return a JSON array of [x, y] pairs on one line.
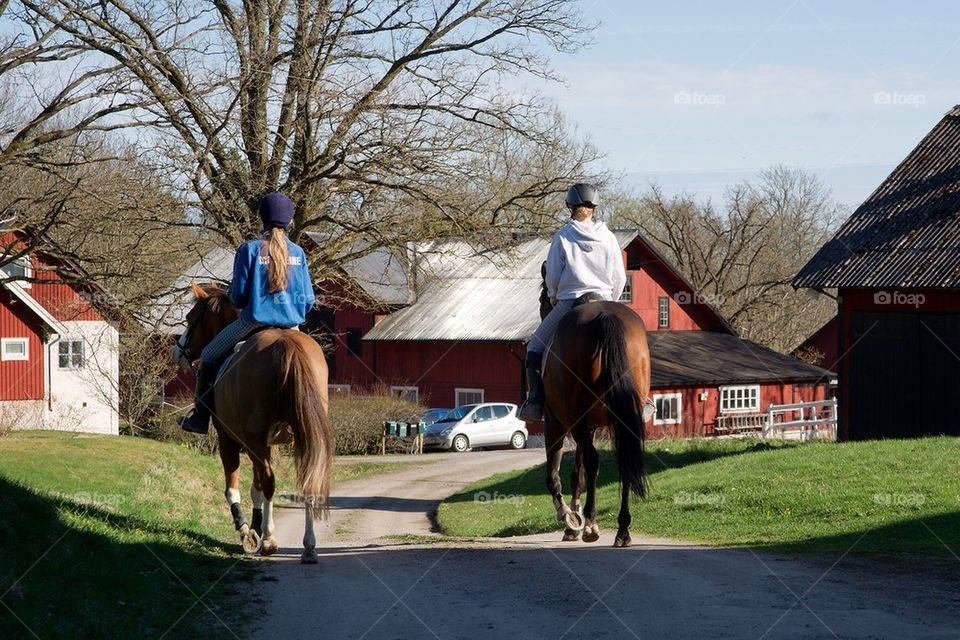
[[623, 402], [302, 405]]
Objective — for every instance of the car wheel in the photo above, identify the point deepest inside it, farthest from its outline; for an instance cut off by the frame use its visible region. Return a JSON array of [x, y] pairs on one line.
[[460, 443], [518, 441]]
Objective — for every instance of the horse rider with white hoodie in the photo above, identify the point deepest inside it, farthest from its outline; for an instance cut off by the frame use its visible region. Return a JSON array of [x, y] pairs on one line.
[[584, 257]]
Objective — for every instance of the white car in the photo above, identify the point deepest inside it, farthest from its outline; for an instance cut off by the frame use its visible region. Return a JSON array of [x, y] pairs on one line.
[[491, 424]]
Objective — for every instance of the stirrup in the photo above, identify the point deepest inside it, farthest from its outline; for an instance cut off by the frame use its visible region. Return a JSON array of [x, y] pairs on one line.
[[186, 423], [528, 411]]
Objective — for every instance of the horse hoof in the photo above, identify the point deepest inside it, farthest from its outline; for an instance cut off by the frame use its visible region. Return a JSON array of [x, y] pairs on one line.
[[309, 556], [249, 540], [622, 541], [268, 547], [573, 521], [571, 535], [591, 533]]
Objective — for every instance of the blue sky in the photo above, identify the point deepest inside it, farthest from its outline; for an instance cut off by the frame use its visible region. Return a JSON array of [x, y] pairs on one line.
[[696, 95]]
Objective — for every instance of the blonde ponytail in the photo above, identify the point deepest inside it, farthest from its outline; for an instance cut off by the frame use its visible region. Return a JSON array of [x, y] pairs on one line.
[[276, 245]]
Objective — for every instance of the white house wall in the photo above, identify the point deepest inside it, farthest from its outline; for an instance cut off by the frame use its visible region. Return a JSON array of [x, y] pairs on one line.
[[85, 399]]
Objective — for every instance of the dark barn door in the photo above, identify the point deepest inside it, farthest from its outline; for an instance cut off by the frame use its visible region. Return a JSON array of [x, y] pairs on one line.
[[904, 372]]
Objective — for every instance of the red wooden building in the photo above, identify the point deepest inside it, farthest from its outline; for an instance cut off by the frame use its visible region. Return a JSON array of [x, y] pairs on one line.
[[452, 330], [59, 358], [895, 264]]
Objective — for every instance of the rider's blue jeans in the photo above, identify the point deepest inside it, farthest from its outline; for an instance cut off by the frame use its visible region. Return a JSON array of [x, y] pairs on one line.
[[224, 341]]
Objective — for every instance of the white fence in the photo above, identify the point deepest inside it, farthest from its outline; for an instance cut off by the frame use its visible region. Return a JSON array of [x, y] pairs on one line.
[[798, 421], [802, 420]]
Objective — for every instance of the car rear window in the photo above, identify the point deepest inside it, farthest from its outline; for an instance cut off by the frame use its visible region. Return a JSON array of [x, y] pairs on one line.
[[501, 411]]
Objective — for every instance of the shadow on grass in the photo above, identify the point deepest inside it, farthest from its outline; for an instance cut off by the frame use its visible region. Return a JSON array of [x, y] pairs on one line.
[[69, 569]]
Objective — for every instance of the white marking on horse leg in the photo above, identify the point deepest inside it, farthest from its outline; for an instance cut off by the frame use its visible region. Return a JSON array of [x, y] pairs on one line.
[[256, 497], [233, 496], [267, 519], [309, 537]]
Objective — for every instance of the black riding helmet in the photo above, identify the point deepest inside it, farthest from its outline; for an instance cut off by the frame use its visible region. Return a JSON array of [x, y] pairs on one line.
[[583, 194]]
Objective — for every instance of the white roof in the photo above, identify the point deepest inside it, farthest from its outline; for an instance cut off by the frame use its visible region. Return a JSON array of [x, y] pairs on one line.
[[471, 295]]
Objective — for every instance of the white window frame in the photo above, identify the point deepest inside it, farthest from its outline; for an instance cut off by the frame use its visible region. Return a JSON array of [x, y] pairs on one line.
[[27, 267], [15, 358], [738, 387], [668, 396], [83, 354], [338, 389], [457, 391], [663, 312], [398, 391], [627, 290]]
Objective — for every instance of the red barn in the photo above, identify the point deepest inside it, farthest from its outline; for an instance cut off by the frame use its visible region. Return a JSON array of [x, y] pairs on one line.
[[463, 340], [895, 264]]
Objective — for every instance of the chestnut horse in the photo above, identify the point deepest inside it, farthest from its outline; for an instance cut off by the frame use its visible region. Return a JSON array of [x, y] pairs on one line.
[[596, 373], [273, 391]]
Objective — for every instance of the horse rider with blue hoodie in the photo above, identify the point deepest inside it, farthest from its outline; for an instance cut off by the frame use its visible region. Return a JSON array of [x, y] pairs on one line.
[[584, 257], [271, 286]]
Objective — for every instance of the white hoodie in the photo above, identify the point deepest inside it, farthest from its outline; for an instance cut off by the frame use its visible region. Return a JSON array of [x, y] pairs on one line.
[[585, 257]]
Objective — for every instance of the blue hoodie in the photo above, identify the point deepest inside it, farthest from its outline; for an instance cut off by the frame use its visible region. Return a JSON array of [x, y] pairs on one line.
[[249, 289]]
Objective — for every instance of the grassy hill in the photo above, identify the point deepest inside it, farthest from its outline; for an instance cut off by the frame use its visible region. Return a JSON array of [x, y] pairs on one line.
[[886, 496], [121, 537]]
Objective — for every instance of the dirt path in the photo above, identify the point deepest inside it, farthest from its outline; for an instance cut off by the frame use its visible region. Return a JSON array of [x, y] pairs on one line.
[[368, 586]]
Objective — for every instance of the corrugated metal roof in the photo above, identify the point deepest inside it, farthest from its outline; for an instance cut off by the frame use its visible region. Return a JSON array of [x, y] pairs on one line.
[[379, 273], [474, 295], [907, 233], [709, 358]]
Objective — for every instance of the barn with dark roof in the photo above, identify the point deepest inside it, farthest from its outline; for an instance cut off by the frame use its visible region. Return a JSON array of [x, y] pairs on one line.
[[895, 264]]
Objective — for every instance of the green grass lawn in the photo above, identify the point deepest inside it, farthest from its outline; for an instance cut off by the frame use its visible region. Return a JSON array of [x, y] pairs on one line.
[[119, 536], [886, 496]]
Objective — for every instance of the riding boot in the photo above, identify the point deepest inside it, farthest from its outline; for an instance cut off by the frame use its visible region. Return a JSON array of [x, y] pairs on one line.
[[532, 408], [199, 419]]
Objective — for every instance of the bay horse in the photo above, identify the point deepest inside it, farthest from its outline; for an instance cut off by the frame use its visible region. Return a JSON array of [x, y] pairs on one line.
[[596, 373], [273, 391]]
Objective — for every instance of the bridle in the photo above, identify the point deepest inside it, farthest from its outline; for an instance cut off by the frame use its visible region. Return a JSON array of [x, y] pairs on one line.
[[185, 338]]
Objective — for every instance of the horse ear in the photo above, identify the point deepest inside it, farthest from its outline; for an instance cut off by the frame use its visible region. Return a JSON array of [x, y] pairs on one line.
[[198, 291]]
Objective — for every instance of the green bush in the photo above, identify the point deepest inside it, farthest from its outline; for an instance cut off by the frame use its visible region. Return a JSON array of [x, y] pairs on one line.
[[358, 422]]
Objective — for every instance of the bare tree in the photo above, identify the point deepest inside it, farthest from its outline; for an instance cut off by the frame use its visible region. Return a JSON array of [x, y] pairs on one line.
[[373, 116], [743, 256]]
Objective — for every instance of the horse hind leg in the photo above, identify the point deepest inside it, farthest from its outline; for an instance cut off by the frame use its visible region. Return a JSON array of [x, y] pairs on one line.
[[576, 484], [268, 545], [623, 519], [309, 555], [591, 463], [230, 458], [554, 447]]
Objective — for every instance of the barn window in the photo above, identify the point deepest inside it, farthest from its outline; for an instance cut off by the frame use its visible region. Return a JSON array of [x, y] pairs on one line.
[[668, 408], [20, 268], [663, 312], [354, 341], [740, 398], [469, 396], [410, 394], [627, 295], [71, 354], [15, 349]]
